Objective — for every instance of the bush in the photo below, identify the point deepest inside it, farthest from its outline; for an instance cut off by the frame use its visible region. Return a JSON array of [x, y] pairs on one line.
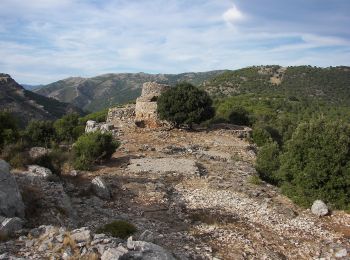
[[118, 228], [239, 116], [261, 136], [99, 116], [185, 104], [316, 163], [66, 127], [40, 133], [92, 147], [8, 129], [267, 162]]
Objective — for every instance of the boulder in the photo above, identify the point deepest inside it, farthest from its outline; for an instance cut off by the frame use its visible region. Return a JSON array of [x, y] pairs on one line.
[[114, 253], [37, 152], [81, 235], [11, 203], [91, 126], [38, 171], [100, 188], [10, 225], [146, 251], [104, 128], [319, 208]]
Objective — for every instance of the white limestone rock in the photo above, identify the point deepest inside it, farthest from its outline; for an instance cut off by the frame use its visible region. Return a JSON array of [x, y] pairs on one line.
[[100, 188], [11, 203], [319, 208], [38, 171]]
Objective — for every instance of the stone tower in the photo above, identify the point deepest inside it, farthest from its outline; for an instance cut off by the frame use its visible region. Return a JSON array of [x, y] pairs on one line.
[[146, 105]]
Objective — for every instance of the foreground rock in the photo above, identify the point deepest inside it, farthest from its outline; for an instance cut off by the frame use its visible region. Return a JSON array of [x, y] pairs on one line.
[[38, 171], [100, 188], [8, 226], [11, 203], [37, 152], [59, 243], [319, 208]]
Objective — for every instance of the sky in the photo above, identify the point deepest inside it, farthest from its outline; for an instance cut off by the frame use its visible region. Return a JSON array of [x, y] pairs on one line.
[[42, 41]]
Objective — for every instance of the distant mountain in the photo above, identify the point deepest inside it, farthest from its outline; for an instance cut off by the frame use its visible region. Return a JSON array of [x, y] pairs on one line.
[[110, 89], [27, 105], [31, 87], [328, 84]]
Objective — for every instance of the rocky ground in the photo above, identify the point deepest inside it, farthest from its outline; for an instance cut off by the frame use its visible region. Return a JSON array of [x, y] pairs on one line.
[[193, 193]]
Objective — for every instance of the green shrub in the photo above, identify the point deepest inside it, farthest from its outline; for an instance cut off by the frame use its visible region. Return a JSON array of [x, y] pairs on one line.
[[118, 228], [99, 116], [185, 104], [261, 136], [316, 163], [66, 128], [239, 116], [40, 133], [267, 162], [8, 129], [91, 148]]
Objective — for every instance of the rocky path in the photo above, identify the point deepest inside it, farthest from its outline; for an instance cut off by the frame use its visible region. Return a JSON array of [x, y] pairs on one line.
[[194, 194]]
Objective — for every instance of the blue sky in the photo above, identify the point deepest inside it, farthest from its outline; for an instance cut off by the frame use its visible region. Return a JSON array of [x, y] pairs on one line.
[[42, 41]]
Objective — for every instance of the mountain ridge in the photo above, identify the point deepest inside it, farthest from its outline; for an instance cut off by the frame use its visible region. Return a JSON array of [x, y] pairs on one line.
[[27, 105], [113, 88]]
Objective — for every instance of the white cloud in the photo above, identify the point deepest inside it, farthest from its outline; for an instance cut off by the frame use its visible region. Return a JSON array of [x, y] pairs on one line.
[[66, 38], [233, 15]]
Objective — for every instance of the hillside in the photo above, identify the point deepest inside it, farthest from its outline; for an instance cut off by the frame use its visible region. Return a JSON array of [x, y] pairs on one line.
[[106, 90], [327, 84], [27, 105]]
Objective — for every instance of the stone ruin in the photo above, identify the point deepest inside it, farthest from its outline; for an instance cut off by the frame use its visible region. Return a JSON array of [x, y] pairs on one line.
[[121, 116], [146, 105], [144, 113]]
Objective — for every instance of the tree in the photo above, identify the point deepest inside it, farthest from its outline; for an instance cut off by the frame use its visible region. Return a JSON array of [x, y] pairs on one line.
[[185, 104], [239, 116], [40, 133], [267, 162], [92, 147], [8, 129], [66, 127], [316, 163]]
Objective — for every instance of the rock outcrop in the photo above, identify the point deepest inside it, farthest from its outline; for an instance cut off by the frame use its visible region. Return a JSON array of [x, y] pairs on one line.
[[11, 203], [146, 105], [93, 126]]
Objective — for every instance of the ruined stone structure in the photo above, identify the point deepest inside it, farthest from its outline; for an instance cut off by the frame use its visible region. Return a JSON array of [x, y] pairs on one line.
[[146, 105], [121, 116], [144, 113]]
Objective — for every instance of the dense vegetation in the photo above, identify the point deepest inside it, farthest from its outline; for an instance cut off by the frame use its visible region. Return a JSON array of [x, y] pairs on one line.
[[303, 144], [185, 104], [58, 136], [330, 85]]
